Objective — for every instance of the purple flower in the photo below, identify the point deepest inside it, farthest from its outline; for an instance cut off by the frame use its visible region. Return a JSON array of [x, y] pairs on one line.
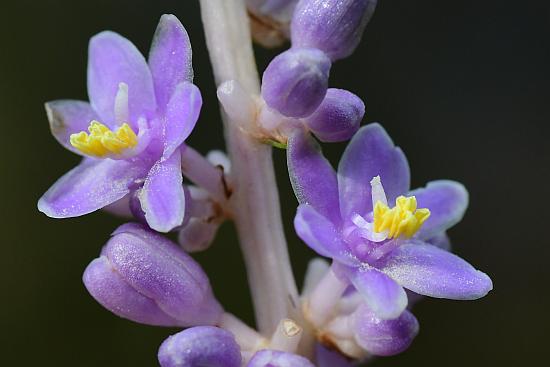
[[275, 358], [338, 117], [330, 358], [380, 248], [144, 277], [138, 117], [200, 346], [296, 81], [332, 26], [384, 337], [281, 10]]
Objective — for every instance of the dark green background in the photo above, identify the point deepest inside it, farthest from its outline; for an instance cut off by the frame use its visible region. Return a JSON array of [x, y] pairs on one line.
[[462, 87]]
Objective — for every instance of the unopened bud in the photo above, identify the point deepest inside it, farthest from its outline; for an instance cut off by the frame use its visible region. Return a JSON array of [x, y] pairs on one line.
[[333, 26], [338, 117], [146, 278], [296, 81], [200, 346]]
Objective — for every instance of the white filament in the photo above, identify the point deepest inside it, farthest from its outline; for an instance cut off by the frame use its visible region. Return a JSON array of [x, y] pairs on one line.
[[122, 111], [378, 194]]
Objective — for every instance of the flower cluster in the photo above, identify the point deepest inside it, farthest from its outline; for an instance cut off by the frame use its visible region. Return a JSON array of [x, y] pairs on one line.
[[387, 244]]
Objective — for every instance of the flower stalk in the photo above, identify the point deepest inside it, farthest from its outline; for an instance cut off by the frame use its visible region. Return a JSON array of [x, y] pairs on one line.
[[255, 199]]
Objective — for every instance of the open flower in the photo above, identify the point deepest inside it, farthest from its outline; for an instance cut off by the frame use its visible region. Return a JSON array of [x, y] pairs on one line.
[[376, 231], [132, 131]]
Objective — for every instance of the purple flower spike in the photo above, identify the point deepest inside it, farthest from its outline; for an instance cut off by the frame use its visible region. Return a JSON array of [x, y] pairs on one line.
[[338, 117], [296, 81], [382, 234], [333, 26], [132, 130], [384, 337], [200, 346], [146, 278], [275, 358]]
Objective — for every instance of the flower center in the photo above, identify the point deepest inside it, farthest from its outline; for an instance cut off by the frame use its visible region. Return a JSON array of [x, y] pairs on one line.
[[102, 141], [403, 219]]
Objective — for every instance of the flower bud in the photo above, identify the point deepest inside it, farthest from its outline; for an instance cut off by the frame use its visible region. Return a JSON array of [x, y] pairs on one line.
[[333, 26], [275, 358], [198, 234], [338, 117], [281, 10], [384, 337], [330, 358], [146, 278], [270, 21], [296, 81], [200, 346]]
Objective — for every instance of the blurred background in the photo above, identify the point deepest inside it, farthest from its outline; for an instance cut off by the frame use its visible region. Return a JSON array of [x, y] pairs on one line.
[[462, 87]]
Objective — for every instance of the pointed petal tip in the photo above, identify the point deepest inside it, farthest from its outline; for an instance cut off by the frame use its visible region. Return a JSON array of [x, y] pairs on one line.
[[433, 272]]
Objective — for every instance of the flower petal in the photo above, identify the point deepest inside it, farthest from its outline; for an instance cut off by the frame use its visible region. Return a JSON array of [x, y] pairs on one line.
[[313, 178], [207, 346], [162, 197], [276, 358], [321, 235], [90, 186], [330, 358], [370, 153], [434, 272], [384, 337], [447, 201], [158, 269], [113, 60], [181, 116], [68, 117], [170, 58], [383, 295], [441, 240], [108, 288]]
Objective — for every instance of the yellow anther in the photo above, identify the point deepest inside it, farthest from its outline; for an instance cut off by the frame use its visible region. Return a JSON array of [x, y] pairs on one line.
[[403, 219], [101, 141]]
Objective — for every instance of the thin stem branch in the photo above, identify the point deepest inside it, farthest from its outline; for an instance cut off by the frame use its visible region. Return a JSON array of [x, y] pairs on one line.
[[255, 201]]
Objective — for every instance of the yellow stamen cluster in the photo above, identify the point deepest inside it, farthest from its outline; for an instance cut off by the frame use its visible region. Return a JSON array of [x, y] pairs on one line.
[[102, 141], [403, 219]]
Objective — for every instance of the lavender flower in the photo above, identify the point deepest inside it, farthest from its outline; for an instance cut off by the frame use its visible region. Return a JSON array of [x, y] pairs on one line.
[[383, 337], [146, 278], [200, 346], [274, 358], [280, 10], [296, 81], [330, 358], [380, 249], [332, 26], [346, 323], [338, 117], [138, 118]]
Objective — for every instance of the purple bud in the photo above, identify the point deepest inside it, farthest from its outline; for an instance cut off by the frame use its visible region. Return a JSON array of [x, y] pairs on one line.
[[275, 358], [280, 10], [296, 81], [384, 337], [146, 278], [330, 358], [332, 26], [338, 117], [200, 346], [198, 234]]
